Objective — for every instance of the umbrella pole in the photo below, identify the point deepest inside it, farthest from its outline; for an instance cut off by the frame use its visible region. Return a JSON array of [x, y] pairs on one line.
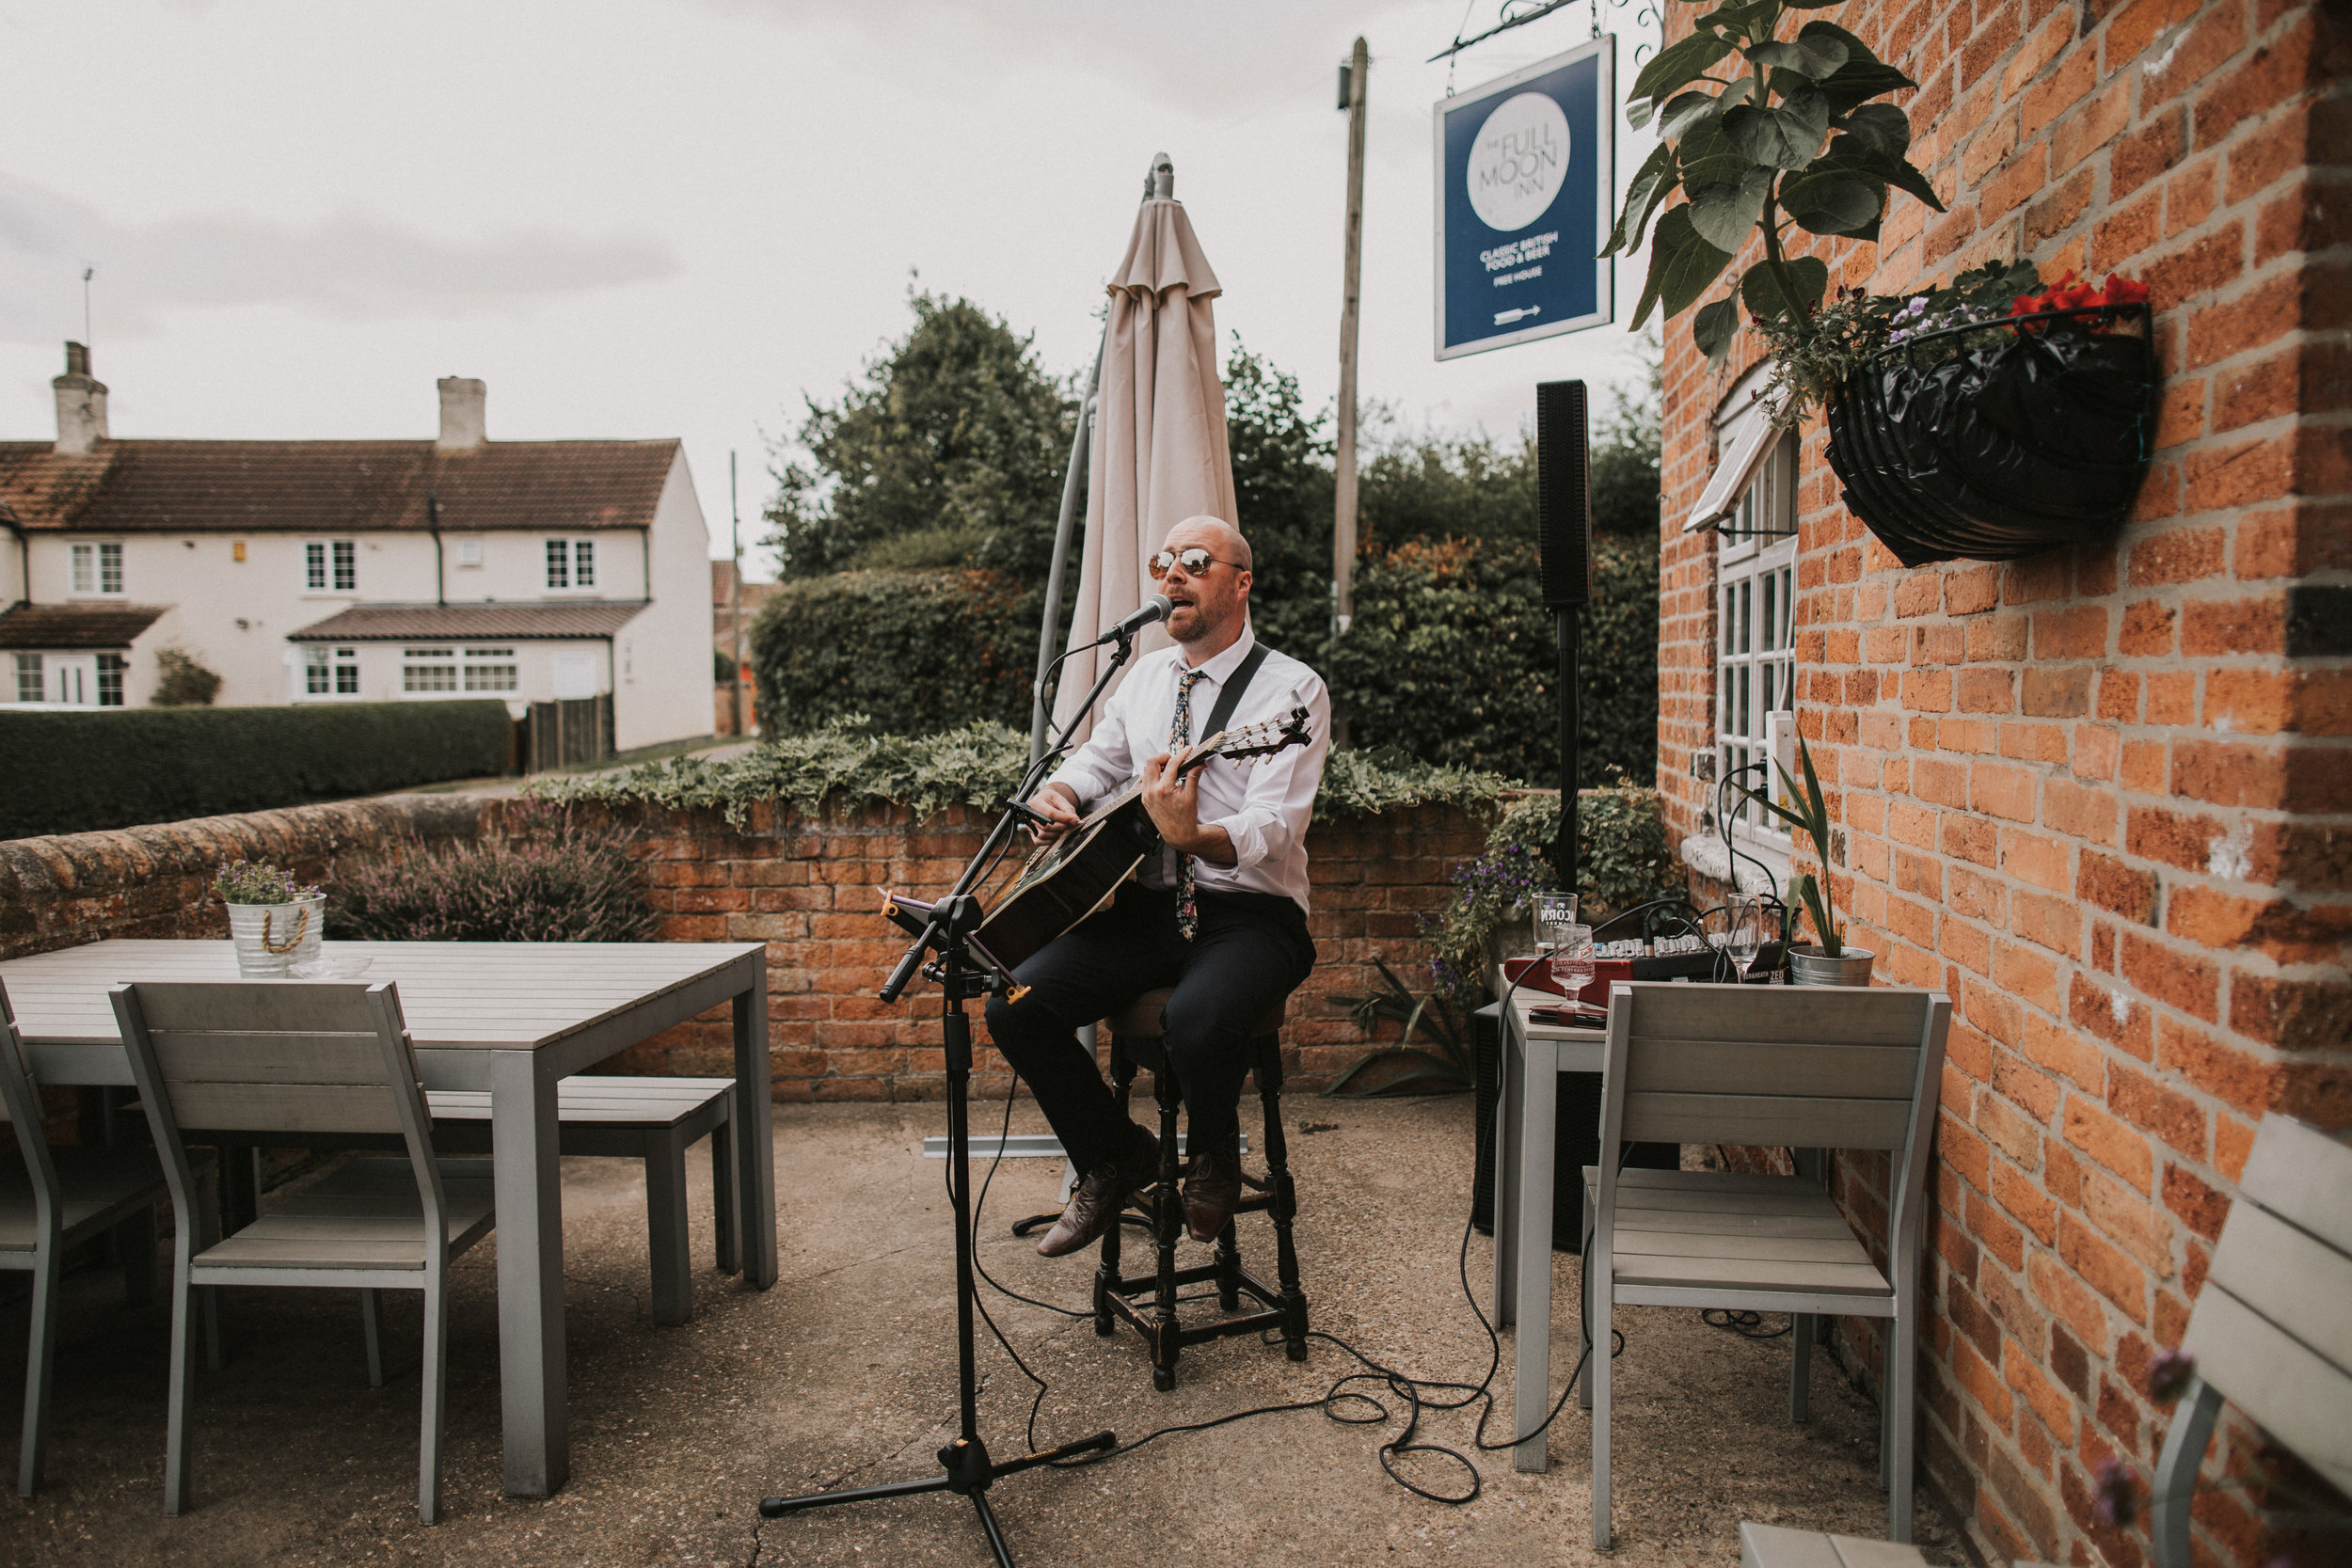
[[1073, 483]]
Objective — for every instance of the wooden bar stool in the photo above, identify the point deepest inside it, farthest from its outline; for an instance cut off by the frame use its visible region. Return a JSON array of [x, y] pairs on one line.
[[1147, 1302]]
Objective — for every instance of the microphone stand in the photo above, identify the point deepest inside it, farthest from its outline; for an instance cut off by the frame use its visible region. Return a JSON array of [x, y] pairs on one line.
[[964, 969]]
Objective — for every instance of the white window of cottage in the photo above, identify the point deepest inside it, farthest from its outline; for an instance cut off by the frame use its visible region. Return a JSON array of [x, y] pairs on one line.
[[97, 569], [30, 686], [1756, 578], [330, 566], [571, 563], [330, 672], [492, 670], [428, 672]]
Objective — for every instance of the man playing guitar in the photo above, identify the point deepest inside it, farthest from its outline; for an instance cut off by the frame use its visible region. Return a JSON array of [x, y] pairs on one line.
[[1220, 915]]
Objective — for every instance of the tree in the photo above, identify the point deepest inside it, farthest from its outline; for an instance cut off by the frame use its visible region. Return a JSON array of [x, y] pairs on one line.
[[1283, 484], [1626, 453], [948, 452]]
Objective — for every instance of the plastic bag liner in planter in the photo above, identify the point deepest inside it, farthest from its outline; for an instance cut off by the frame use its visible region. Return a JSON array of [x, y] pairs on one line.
[[1994, 452]]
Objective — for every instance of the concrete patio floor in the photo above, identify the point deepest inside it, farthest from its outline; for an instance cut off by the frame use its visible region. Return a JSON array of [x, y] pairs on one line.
[[845, 1374]]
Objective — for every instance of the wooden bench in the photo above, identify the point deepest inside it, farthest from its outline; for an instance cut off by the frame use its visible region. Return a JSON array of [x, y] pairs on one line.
[[654, 1120]]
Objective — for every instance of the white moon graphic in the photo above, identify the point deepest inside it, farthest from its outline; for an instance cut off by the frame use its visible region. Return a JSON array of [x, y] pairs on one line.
[[1517, 162]]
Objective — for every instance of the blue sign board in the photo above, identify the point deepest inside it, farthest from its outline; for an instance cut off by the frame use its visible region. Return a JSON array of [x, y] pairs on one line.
[[1526, 172]]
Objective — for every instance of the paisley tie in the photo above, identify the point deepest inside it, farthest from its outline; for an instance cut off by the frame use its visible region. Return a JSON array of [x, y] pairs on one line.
[[1179, 737]]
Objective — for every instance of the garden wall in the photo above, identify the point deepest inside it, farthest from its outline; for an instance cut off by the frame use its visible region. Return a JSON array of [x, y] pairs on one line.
[[809, 888], [812, 889], [2101, 796]]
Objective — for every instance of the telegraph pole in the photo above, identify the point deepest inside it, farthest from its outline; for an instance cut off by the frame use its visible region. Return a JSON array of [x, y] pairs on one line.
[[734, 604], [1352, 96]]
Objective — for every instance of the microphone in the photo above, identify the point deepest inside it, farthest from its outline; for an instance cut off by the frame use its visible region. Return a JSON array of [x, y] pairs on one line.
[[1150, 612]]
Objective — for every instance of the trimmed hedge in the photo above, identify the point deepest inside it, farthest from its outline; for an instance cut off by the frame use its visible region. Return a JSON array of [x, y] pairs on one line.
[[79, 772], [913, 652]]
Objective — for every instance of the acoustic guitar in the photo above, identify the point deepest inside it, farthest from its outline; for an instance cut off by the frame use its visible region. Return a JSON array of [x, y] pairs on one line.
[[1078, 873]]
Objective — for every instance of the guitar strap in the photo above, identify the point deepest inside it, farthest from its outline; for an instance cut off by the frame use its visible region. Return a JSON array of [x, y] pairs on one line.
[[1229, 697]]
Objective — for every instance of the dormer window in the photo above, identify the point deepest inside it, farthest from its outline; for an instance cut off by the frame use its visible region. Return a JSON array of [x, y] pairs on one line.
[[571, 563], [97, 570], [330, 566]]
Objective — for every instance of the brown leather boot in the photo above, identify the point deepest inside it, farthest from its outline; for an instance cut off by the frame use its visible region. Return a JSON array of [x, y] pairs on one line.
[[1212, 1189], [1094, 1206]]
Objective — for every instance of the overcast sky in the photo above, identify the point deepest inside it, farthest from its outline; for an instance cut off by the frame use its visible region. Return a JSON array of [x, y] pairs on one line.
[[679, 217]]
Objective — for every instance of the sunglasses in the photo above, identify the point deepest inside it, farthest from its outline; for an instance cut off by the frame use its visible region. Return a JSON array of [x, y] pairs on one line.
[[1195, 562]]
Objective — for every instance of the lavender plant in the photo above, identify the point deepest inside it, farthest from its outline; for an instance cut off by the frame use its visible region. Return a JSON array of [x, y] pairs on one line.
[[560, 883], [258, 882]]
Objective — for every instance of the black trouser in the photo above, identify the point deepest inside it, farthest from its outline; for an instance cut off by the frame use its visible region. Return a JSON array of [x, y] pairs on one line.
[[1250, 951]]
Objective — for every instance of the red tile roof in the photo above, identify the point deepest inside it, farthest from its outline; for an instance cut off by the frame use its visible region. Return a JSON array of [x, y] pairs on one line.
[[75, 625], [140, 486], [405, 623]]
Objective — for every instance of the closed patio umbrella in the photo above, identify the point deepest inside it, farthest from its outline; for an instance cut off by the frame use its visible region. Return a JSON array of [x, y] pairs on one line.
[[1158, 452]]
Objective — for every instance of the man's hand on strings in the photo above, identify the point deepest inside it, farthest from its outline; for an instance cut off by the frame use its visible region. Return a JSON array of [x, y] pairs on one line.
[[1055, 801], [1174, 804]]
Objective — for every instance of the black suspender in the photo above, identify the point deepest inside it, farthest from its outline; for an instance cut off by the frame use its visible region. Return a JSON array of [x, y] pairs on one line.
[[1228, 696]]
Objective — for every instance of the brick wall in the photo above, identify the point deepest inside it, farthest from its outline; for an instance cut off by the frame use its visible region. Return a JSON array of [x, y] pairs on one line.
[[812, 889], [2102, 797]]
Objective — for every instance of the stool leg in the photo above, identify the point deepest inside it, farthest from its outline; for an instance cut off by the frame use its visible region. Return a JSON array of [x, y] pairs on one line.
[[723, 1192], [1168, 1206], [1227, 1269], [665, 1232], [1106, 1271], [1285, 1200]]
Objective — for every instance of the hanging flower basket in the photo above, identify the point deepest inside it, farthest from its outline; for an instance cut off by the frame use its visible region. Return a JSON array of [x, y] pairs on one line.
[[2002, 438]]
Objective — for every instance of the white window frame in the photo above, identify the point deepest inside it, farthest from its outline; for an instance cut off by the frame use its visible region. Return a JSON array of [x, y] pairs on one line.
[[330, 567], [417, 661], [91, 564], [563, 558], [476, 667], [113, 669], [338, 669], [32, 681], [468, 551], [1753, 654]]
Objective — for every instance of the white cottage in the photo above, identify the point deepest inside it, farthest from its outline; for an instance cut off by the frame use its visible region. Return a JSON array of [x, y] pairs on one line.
[[343, 570]]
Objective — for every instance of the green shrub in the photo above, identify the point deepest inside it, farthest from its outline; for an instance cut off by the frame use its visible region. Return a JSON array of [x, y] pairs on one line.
[[182, 682], [846, 765], [558, 884], [116, 767], [914, 652], [1452, 656]]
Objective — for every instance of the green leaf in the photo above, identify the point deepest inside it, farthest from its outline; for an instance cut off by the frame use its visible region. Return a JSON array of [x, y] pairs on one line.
[[1831, 202], [1653, 182], [1684, 60], [1815, 56], [1687, 109], [1859, 79], [1882, 127], [1714, 327], [1708, 158], [1809, 275], [1725, 216], [1784, 137], [1637, 112], [1853, 156], [1682, 266]]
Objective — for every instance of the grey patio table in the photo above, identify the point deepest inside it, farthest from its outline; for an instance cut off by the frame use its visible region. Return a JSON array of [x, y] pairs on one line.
[[511, 1018]]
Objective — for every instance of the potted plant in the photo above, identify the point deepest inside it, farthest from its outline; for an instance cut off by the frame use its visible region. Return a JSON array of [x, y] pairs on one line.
[[1989, 420], [1828, 961], [273, 922]]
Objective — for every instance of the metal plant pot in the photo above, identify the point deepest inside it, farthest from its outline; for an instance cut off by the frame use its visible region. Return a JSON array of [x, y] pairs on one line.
[[1809, 966], [270, 938]]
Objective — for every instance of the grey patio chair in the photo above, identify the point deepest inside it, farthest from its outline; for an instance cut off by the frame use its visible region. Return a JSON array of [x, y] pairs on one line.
[[298, 1058], [1802, 1065], [61, 1198]]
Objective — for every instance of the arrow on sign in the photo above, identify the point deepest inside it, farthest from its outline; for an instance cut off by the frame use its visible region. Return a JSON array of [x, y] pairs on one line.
[[1503, 318]]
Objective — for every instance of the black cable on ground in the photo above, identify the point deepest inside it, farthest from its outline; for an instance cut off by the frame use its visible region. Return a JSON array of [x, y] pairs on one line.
[[1339, 1397]]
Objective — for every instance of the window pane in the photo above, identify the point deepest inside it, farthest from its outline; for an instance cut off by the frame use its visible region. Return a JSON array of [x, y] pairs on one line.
[[583, 563], [428, 670], [492, 670], [28, 684], [559, 564], [314, 568], [85, 571], [110, 568], [1746, 641], [346, 565], [346, 679], [314, 671]]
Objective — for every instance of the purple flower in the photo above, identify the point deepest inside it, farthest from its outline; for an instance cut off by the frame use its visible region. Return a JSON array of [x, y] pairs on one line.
[[2117, 1486], [2169, 1372]]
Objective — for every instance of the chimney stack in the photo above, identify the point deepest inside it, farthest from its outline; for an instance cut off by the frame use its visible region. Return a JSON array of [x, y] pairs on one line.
[[81, 403], [462, 398]]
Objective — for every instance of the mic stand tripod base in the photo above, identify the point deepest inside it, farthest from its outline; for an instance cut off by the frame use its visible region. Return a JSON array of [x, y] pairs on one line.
[[968, 1471]]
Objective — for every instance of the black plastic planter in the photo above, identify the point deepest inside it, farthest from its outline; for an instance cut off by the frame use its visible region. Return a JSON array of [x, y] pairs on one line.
[[1994, 452]]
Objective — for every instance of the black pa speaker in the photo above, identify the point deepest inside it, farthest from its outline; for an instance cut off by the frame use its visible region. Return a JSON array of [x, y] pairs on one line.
[[1564, 493]]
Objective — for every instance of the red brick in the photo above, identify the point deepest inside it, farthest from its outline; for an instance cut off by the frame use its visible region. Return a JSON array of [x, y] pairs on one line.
[[2163, 1110], [2238, 475], [1999, 790], [2236, 1077], [2272, 76], [2202, 1206], [2081, 811], [2079, 632], [2229, 774], [2112, 885], [2091, 125], [2169, 975], [2058, 211], [2147, 153], [2260, 315]]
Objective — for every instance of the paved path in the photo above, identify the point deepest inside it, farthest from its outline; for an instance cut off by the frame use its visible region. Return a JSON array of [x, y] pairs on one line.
[[845, 1373]]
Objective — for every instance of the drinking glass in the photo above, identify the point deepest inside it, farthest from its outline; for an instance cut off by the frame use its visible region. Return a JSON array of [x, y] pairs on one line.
[[1743, 932], [1572, 959], [1554, 914]]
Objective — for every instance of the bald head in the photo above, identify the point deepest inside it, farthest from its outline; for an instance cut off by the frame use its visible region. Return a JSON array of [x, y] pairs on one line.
[[1212, 605]]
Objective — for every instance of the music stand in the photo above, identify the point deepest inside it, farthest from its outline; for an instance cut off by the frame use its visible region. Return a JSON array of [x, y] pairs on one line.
[[965, 969]]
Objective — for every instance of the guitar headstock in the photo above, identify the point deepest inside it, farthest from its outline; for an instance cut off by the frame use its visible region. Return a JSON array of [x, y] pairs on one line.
[[1261, 739]]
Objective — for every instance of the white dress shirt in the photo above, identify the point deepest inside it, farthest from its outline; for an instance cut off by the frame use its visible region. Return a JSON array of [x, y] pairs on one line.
[[1263, 803]]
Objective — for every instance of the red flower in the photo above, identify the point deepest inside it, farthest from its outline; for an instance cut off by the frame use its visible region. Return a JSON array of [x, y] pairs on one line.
[[2069, 293]]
